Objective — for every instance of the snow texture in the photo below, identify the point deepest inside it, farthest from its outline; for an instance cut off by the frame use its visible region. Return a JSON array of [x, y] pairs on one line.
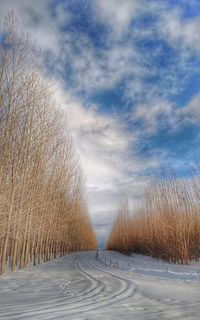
[[80, 286]]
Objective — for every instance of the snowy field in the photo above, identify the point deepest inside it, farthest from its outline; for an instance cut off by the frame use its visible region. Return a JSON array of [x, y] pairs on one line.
[[80, 286]]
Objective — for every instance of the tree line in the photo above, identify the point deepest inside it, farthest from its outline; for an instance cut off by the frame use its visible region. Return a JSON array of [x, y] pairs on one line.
[[43, 212], [166, 222]]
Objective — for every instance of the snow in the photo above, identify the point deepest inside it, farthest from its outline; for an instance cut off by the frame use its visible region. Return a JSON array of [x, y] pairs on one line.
[[80, 286], [144, 265]]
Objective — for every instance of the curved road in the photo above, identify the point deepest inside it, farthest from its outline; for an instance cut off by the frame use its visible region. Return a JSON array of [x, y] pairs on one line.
[[79, 286]]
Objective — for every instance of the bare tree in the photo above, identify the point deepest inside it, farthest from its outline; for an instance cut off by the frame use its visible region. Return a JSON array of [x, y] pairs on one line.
[[40, 186], [167, 223]]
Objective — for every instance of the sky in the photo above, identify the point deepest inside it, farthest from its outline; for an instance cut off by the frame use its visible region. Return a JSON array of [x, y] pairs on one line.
[[127, 73]]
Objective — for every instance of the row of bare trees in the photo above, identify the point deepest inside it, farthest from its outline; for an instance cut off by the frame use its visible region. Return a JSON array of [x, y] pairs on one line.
[[42, 208], [166, 224]]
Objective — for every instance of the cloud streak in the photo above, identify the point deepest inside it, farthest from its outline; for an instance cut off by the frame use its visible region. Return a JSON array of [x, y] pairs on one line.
[[109, 164]]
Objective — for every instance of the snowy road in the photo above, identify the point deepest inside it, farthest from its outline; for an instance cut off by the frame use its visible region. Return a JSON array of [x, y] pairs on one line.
[[81, 287]]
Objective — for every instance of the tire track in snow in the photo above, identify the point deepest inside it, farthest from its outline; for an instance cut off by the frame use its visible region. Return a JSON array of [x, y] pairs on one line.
[[178, 306], [77, 306], [94, 289]]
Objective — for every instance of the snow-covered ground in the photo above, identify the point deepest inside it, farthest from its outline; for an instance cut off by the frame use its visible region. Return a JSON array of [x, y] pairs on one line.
[[148, 266], [80, 286]]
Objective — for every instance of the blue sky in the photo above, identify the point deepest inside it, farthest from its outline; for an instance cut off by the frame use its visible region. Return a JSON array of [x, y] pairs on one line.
[[127, 73]]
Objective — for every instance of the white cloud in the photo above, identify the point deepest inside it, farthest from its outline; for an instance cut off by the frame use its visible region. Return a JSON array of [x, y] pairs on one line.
[[183, 34], [91, 68], [116, 14], [155, 115], [107, 158], [161, 114], [98, 68], [34, 17], [191, 112]]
